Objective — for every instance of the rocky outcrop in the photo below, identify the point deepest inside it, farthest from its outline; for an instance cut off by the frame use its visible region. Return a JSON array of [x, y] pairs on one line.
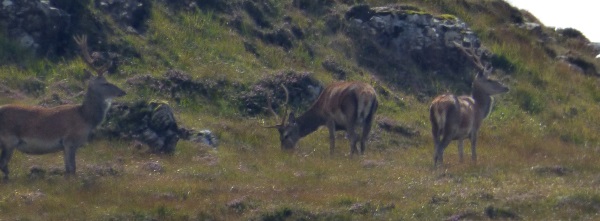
[[303, 89], [130, 14], [596, 46], [35, 24], [47, 27], [151, 123], [578, 63], [394, 39]]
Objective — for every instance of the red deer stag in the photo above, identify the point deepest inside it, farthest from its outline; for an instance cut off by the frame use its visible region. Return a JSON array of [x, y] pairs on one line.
[[341, 106], [459, 117], [39, 130]]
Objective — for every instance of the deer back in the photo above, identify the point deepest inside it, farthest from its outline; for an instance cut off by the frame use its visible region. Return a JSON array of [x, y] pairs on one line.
[[41, 123], [346, 102]]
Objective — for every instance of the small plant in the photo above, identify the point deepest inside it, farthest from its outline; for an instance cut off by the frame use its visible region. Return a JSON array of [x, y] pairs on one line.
[[529, 101], [447, 17]]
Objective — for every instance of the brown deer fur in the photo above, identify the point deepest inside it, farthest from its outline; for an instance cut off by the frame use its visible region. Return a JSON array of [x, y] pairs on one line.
[[460, 117], [341, 106], [39, 130]]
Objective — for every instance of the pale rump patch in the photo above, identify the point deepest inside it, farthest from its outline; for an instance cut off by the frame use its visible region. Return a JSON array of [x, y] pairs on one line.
[[440, 117], [364, 108], [440, 107]]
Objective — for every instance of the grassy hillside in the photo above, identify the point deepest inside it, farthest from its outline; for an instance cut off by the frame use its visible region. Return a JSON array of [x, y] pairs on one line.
[[538, 150]]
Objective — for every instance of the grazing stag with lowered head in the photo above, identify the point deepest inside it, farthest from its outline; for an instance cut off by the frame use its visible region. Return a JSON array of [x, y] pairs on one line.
[[341, 106], [460, 117], [39, 130]]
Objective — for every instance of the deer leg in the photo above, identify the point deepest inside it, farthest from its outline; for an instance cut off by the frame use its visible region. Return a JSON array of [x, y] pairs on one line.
[[4, 158], [331, 126], [460, 150], [366, 128], [439, 150], [69, 157], [474, 146], [436, 146], [436, 134], [436, 137], [365, 136], [438, 157], [353, 139]]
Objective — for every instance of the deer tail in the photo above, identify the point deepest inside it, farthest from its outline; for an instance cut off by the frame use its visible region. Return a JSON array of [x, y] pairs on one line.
[[439, 111]]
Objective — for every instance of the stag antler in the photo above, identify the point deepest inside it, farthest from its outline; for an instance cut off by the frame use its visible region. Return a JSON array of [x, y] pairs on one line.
[[82, 43], [475, 58], [270, 108]]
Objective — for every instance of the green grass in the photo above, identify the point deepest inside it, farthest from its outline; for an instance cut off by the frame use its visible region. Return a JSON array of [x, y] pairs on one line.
[[547, 121], [201, 181]]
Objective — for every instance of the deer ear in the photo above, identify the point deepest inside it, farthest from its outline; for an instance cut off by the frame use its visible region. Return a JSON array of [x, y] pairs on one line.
[[480, 74], [292, 118]]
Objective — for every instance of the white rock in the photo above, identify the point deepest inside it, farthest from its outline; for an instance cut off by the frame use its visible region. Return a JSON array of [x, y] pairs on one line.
[[7, 3], [27, 41]]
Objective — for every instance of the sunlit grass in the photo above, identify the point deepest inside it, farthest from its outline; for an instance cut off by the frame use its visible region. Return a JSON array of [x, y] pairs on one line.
[[307, 179]]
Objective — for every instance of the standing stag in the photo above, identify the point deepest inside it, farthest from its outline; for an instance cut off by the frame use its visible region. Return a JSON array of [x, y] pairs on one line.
[[341, 106], [458, 117], [39, 130]]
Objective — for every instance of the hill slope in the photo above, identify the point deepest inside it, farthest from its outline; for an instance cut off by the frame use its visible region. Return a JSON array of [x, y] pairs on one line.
[[538, 148]]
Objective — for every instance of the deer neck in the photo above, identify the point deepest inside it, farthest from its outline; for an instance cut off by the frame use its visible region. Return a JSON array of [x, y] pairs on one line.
[[309, 122], [94, 108], [483, 102]]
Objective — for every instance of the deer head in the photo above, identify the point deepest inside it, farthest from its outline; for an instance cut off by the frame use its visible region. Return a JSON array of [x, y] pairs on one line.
[[483, 82], [289, 132], [488, 85], [98, 86]]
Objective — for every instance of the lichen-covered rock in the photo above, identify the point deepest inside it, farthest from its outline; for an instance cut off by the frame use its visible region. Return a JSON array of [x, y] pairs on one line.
[[393, 39], [152, 123]]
